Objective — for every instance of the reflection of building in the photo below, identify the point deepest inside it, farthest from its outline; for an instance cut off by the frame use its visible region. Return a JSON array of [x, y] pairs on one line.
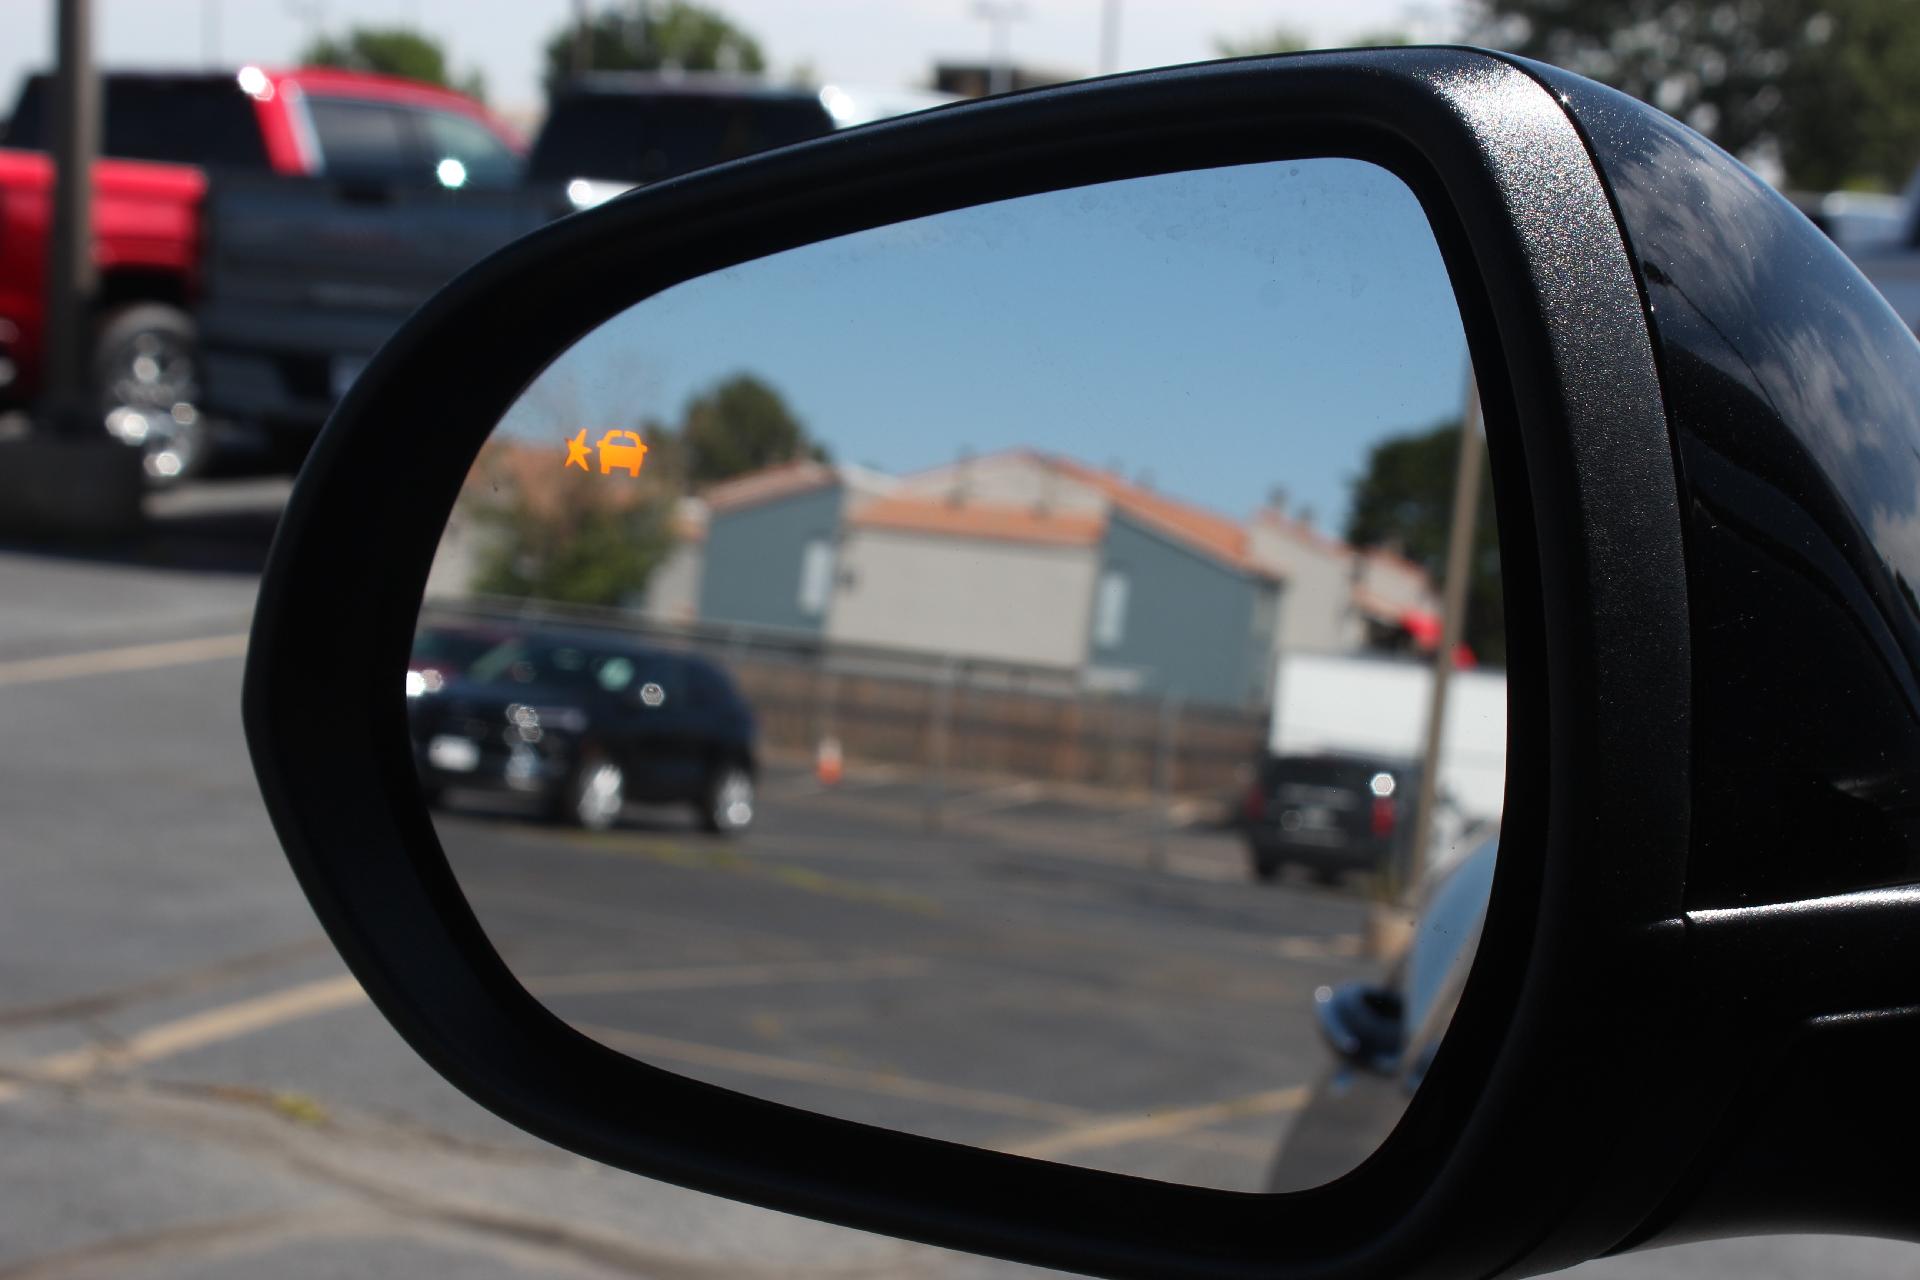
[[1036, 560]]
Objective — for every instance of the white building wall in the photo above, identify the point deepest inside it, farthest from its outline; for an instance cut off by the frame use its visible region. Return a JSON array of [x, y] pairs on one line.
[[970, 597]]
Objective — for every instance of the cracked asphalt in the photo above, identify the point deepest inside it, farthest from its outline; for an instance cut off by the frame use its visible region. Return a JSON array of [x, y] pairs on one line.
[[191, 1086]]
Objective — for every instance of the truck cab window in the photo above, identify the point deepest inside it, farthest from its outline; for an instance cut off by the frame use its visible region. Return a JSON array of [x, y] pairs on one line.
[[365, 140], [462, 152]]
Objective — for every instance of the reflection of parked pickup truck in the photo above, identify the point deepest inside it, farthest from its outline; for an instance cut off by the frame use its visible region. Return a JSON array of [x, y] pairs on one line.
[[162, 136]]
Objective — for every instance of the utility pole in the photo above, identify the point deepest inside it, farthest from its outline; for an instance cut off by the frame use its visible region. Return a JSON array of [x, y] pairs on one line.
[[999, 15], [70, 276], [67, 478], [1453, 620]]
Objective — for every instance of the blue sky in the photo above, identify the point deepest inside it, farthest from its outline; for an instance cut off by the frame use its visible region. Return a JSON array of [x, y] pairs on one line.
[[1222, 333]]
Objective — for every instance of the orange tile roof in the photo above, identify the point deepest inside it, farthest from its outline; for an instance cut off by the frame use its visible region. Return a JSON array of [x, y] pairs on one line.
[[1198, 527], [981, 520], [769, 483]]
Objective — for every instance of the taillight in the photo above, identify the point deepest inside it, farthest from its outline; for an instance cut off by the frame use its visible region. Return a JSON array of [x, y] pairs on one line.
[[1254, 806], [1384, 815]]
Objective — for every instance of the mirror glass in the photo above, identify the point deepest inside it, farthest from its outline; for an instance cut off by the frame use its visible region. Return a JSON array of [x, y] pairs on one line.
[[974, 676]]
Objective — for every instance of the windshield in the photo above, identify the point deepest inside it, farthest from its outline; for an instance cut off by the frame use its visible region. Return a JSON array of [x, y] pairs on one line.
[[553, 665]]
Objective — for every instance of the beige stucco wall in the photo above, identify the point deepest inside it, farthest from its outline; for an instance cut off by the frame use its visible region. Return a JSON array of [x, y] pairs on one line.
[[970, 597], [1316, 604]]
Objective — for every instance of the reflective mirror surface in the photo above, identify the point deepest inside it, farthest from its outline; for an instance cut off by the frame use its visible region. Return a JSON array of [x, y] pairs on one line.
[[974, 676]]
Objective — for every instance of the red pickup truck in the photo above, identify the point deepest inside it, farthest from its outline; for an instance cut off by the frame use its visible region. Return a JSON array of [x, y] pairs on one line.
[[162, 135]]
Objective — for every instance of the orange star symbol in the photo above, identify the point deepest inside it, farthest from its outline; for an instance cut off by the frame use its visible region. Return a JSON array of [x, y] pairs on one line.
[[577, 451]]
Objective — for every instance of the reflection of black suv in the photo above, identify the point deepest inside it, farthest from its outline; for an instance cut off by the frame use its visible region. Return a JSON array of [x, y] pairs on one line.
[[586, 723], [615, 130], [1329, 813]]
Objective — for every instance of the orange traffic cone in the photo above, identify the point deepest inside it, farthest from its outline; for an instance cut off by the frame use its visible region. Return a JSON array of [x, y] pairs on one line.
[[827, 764]]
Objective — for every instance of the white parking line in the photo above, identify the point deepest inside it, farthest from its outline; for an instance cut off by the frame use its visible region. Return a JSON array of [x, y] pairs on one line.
[[134, 657]]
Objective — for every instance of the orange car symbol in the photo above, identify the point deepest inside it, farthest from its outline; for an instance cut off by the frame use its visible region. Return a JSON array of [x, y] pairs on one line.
[[622, 449]]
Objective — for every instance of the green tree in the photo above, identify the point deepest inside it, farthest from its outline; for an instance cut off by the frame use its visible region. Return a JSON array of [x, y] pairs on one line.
[[584, 542], [739, 424], [1823, 87], [1404, 500], [393, 51], [650, 37]]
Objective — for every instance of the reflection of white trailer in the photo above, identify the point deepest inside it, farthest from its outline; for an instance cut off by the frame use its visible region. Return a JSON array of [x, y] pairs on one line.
[[1378, 706]]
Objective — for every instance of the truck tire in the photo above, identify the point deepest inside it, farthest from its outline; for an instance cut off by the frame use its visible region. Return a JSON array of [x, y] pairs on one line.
[[146, 366]]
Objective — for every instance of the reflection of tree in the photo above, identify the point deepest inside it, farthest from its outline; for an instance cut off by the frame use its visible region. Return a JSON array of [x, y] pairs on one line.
[[549, 532], [393, 51], [646, 37], [1405, 500], [739, 424]]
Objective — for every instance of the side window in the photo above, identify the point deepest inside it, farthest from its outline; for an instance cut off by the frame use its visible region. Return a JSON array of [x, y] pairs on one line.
[[816, 577], [365, 140], [1110, 609], [462, 152]]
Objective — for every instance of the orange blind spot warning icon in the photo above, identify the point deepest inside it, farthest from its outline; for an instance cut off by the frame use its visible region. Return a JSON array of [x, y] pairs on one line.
[[622, 450]]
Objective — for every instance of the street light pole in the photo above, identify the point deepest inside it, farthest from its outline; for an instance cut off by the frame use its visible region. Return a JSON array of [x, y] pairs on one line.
[[999, 15], [1109, 36], [70, 275]]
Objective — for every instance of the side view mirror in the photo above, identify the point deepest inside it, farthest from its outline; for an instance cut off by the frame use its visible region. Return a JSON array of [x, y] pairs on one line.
[[973, 662], [1363, 1023]]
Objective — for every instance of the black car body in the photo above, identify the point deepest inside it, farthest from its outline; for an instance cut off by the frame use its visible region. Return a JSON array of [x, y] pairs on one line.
[[1330, 813], [1384, 1035], [584, 724], [608, 131]]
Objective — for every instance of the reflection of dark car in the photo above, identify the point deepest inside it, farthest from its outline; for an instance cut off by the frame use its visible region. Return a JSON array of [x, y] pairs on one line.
[[608, 131], [1330, 813], [1384, 1035], [442, 651], [587, 723]]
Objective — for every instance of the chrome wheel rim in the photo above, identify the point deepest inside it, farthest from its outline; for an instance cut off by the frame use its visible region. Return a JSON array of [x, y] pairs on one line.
[[150, 399], [733, 800], [602, 793]]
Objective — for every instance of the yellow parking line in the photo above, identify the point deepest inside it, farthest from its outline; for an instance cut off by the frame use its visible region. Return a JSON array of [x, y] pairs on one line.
[[195, 1031], [134, 657], [1172, 1123]]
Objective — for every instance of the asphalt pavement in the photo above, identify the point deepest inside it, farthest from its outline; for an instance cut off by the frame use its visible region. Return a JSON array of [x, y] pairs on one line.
[[190, 1085]]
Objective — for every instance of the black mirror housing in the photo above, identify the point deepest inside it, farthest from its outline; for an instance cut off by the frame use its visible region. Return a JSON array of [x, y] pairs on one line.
[[1630, 967]]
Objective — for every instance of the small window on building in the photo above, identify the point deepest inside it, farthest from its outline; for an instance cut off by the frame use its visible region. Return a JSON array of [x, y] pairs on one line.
[[816, 577], [1110, 609]]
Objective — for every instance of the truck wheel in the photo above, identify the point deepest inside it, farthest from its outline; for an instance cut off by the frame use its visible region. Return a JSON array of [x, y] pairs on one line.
[[146, 367], [592, 796], [726, 808]]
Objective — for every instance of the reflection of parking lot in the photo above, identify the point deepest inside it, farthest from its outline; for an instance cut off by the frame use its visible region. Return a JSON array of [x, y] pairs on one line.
[[1020, 978]]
